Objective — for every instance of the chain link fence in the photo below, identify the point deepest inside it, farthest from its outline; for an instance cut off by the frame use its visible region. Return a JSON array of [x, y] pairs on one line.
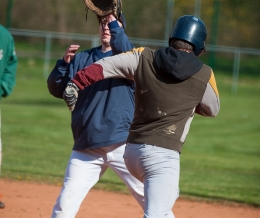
[[44, 30], [48, 47]]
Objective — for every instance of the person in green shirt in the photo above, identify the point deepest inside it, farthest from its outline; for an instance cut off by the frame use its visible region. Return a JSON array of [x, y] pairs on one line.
[[8, 67]]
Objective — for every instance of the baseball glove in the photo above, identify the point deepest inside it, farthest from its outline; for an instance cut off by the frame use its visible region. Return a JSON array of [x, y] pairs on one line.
[[104, 7]]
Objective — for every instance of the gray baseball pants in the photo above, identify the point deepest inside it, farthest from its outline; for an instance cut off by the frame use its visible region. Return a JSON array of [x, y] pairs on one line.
[[159, 169]]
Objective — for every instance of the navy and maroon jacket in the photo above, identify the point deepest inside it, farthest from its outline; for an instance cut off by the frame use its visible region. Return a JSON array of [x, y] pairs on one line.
[[104, 110]]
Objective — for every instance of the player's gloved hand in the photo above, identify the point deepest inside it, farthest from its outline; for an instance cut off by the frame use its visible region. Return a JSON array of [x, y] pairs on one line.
[[70, 95]]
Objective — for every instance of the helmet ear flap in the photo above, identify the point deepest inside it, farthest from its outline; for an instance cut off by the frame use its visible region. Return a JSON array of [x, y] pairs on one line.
[[203, 51]]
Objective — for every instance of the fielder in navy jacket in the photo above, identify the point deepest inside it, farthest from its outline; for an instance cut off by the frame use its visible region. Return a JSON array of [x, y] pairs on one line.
[[104, 111], [100, 121]]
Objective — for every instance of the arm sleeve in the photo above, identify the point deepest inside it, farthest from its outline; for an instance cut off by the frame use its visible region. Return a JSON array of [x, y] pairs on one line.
[[119, 66], [58, 79], [210, 104], [8, 79], [119, 41]]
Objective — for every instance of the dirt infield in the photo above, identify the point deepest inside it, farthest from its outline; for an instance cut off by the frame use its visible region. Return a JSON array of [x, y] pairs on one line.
[[28, 200]]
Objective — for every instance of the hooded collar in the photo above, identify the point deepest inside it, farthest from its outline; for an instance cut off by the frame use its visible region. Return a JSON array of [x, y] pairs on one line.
[[179, 64]]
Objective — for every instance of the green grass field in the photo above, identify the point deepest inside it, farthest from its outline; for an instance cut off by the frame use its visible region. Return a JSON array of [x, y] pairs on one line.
[[220, 159]]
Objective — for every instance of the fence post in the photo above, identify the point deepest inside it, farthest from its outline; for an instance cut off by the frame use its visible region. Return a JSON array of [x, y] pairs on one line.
[[169, 16], [197, 6], [47, 55], [235, 75], [9, 14], [214, 26]]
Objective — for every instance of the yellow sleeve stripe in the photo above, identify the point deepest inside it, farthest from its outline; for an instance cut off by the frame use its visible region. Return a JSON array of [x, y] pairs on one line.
[[213, 84], [138, 50]]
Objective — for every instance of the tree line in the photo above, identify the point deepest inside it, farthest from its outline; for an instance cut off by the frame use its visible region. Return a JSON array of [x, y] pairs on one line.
[[229, 22]]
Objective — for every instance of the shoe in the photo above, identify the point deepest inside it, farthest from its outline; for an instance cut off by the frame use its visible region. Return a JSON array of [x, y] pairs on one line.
[[2, 206]]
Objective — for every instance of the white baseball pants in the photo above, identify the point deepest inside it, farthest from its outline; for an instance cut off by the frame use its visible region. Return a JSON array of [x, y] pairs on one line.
[[84, 169], [159, 169]]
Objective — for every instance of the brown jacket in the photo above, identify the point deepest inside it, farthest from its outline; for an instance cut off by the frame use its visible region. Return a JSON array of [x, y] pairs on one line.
[[170, 86]]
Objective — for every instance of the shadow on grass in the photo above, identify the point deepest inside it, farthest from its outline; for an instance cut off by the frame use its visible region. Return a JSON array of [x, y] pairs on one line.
[[215, 199], [38, 102]]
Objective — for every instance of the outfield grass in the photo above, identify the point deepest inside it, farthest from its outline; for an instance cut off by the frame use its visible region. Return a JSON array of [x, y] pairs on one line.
[[220, 159]]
